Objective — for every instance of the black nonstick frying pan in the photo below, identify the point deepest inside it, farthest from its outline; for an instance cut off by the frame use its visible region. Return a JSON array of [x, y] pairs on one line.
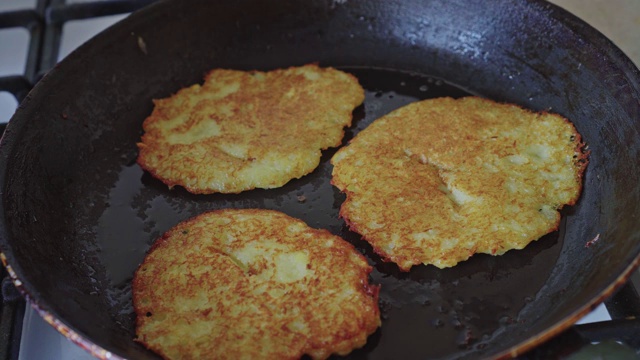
[[78, 214]]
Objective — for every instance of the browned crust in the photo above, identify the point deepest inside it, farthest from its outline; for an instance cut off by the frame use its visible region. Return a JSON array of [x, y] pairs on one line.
[[343, 340], [323, 100], [580, 162]]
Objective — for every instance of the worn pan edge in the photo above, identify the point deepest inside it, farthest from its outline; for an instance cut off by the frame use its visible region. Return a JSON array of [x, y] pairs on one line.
[[66, 331], [622, 61], [101, 353], [8, 140], [569, 320]]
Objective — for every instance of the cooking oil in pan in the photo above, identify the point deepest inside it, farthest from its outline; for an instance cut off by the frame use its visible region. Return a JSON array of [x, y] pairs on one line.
[[426, 312]]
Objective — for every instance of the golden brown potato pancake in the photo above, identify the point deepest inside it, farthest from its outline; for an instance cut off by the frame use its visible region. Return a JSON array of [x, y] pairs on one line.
[[439, 180], [253, 284], [244, 130]]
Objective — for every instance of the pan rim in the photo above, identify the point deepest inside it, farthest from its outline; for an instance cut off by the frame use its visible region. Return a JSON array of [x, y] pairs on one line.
[[55, 321]]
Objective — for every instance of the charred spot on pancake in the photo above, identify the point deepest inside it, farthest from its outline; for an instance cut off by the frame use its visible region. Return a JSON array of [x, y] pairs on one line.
[[243, 130], [439, 180], [250, 284]]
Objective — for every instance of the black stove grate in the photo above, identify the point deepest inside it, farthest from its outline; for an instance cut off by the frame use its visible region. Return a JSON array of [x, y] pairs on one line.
[[45, 23], [13, 308]]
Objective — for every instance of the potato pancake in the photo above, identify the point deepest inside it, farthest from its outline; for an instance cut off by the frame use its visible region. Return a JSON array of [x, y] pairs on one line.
[[253, 284], [438, 180], [243, 130]]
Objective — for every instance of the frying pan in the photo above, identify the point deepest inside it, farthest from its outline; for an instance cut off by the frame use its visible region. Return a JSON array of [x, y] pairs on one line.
[[78, 214]]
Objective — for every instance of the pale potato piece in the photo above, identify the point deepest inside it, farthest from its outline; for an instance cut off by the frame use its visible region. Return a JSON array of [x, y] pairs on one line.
[[438, 180], [244, 130], [253, 284]]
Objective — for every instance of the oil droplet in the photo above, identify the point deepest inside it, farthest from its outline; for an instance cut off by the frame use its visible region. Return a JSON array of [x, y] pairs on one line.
[[465, 338], [506, 320]]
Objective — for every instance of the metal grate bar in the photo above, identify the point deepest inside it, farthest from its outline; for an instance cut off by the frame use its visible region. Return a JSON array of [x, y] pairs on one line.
[[625, 304], [19, 86], [33, 21], [60, 13], [18, 18], [626, 331], [57, 13]]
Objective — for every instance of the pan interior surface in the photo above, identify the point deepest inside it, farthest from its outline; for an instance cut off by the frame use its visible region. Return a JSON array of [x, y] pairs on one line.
[[79, 214], [460, 308]]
